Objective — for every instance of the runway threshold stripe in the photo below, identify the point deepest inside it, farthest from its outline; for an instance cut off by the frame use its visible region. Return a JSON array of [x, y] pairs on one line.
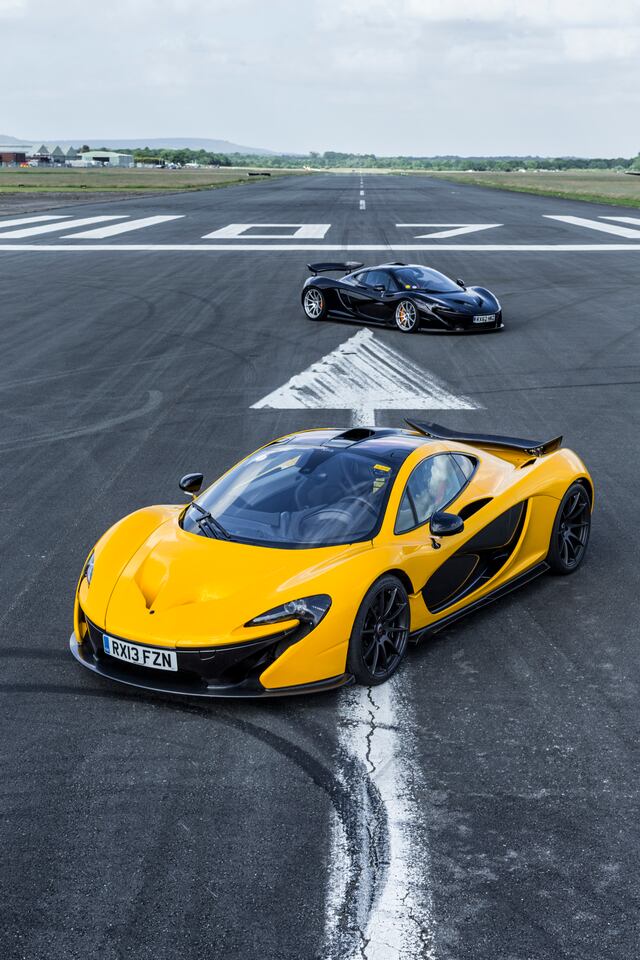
[[52, 227], [634, 220], [316, 247], [22, 220], [597, 225], [101, 232]]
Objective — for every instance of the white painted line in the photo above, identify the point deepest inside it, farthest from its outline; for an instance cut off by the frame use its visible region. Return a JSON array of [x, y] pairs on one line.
[[456, 229], [302, 231], [362, 193], [635, 220], [52, 227], [597, 225], [317, 247], [364, 375], [393, 913], [21, 220], [363, 205], [101, 232]]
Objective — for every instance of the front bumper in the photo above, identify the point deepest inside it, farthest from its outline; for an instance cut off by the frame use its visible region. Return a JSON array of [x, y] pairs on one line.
[[228, 671], [463, 322]]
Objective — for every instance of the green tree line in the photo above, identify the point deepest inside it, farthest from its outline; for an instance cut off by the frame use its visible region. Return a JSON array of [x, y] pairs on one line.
[[334, 159]]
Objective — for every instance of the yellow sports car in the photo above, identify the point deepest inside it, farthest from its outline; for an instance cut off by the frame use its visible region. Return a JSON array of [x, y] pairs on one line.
[[316, 560]]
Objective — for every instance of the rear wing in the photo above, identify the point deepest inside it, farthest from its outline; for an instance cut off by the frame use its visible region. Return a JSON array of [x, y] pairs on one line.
[[534, 448], [330, 266]]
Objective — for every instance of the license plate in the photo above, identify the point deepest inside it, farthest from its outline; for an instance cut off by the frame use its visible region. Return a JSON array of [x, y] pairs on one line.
[[487, 318], [142, 656]]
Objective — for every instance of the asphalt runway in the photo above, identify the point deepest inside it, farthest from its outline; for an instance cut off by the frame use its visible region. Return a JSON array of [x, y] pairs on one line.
[[143, 826]]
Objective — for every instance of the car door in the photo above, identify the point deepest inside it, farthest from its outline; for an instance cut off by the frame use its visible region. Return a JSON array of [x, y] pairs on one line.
[[379, 304], [465, 562], [362, 298]]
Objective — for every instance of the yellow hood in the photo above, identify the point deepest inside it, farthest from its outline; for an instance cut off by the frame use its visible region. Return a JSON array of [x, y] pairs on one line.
[[182, 589]]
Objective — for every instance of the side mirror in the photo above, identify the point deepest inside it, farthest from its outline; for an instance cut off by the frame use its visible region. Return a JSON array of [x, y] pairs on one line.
[[445, 524], [191, 483], [461, 283], [380, 288]]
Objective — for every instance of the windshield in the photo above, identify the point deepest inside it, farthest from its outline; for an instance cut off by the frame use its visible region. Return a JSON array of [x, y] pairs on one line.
[[423, 278], [292, 495]]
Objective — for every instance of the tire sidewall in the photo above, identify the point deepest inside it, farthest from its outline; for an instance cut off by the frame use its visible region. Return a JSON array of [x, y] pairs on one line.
[[557, 566], [355, 661]]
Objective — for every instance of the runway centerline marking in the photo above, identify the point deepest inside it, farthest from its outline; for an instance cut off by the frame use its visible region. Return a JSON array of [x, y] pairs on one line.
[[392, 916], [456, 229], [597, 225], [40, 219], [363, 205], [302, 231], [111, 231], [52, 227]]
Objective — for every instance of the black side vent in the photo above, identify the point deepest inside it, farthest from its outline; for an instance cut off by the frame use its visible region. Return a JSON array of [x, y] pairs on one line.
[[471, 508]]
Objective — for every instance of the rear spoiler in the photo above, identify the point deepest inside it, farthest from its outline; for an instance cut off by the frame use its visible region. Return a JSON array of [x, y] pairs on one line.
[[534, 448], [330, 266]]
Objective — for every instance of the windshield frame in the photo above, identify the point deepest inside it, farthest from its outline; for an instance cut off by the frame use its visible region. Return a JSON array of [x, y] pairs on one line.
[[394, 465], [431, 271]]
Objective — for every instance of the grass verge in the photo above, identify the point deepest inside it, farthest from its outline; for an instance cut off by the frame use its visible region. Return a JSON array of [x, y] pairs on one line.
[[594, 186]]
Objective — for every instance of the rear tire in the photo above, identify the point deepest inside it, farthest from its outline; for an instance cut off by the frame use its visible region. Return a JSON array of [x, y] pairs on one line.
[[380, 633], [570, 533], [314, 303], [406, 317]]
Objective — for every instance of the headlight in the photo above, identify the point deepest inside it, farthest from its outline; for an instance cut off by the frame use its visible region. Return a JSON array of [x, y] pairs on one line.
[[88, 567], [309, 610]]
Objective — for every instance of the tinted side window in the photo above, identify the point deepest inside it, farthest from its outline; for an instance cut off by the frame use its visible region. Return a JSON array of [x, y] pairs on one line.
[[433, 484], [465, 464], [376, 278]]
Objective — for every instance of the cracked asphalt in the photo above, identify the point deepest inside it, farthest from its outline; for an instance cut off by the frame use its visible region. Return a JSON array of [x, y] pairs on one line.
[[139, 826]]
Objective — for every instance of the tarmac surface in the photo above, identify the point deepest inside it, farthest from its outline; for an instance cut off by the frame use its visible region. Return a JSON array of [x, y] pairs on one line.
[[135, 825]]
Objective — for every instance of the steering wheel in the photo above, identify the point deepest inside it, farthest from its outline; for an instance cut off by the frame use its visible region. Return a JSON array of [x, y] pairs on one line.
[[330, 514], [364, 502]]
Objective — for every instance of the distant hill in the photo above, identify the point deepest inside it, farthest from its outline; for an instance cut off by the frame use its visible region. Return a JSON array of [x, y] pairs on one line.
[[171, 143]]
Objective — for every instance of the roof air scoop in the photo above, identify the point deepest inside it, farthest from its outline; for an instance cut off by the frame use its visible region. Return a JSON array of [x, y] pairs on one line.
[[355, 434]]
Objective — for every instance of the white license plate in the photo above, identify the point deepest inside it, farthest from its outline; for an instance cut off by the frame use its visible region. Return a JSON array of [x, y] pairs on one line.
[[153, 657], [487, 318]]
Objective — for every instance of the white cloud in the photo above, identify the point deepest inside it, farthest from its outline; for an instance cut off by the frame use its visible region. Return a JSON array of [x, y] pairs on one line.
[[419, 76]]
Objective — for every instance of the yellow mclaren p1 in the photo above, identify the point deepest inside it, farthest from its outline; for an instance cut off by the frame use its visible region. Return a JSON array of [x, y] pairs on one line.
[[316, 560]]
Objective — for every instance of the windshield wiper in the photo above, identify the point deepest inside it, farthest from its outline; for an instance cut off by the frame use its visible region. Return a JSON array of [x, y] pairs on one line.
[[206, 519]]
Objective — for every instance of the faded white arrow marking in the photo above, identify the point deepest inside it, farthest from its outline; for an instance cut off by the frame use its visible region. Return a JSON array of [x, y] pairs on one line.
[[364, 375], [454, 229]]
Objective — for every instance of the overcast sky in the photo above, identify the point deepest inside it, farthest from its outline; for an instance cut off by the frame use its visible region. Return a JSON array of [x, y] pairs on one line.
[[384, 76]]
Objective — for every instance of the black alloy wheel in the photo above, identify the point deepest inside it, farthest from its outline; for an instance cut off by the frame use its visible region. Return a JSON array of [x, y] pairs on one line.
[[380, 633], [570, 534]]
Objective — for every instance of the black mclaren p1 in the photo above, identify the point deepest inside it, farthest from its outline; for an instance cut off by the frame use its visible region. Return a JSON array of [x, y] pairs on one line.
[[405, 295]]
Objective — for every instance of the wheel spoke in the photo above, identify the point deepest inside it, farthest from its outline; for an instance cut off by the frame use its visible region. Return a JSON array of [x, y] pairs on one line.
[[389, 604]]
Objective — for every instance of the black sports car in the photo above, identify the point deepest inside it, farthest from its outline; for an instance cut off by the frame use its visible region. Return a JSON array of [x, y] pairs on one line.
[[405, 295]]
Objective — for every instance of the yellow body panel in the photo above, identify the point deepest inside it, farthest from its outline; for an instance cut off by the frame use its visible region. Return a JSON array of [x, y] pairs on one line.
[[157, 584]]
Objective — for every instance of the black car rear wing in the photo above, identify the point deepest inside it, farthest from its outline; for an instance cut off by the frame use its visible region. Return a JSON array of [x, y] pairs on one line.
[[534, 448], [331, 265]]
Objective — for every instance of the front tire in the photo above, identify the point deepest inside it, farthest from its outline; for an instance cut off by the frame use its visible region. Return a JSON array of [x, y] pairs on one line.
[[406, 316], [380, 633], [314, 303], [570, 533]]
